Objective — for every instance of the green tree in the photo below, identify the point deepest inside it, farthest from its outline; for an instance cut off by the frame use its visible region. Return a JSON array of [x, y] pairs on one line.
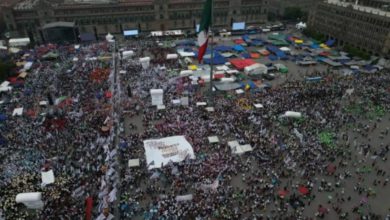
[[6, 70], [294, 13]]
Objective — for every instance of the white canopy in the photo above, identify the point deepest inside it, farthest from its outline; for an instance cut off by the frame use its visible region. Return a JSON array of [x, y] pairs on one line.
[[285, 49], [186, 73], [133, 163], [17, 112], [172, 56], [291, 114], [128, 53], [32, 200], [256, 68], [109, 37], [157, 96], [18, 42], [47, 177], [186, 54]]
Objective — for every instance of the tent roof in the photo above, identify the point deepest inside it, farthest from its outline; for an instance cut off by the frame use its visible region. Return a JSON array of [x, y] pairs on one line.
[[240, 64]]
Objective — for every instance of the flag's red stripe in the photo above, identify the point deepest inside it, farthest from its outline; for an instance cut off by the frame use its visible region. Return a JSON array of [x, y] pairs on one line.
[[202, 51]]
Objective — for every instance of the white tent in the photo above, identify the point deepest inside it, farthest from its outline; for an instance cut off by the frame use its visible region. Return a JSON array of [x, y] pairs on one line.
[[291, 114], [17, 112], [172, 56], [285, 49], [256, 69], [109, 37], [213, 139], [18, 42], [133, 163], [239, 149], [186, 73], [258, 105], [47, 177], [301, 26], [127, 54], [32, 200], [145, 62], [186, 54], [157, 97]]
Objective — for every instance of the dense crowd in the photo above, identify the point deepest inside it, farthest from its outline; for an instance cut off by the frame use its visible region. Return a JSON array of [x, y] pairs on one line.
[[65, 127], [289, 164], [298, 169]]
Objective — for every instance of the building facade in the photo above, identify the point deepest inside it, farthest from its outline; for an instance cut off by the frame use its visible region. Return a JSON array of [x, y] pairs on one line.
[[278, 7], [114, 16], [366, 28]]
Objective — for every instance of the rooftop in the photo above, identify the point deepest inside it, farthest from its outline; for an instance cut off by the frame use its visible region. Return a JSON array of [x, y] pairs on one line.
[[26, 4], [361, 8]]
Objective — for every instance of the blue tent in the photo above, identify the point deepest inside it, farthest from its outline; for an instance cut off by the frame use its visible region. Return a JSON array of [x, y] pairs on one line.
[[238, 48], [257, 42], [223, 48], [276, 51], [185, 43], [246, 55], [218, 59], [3, 117], [315, 46], [246, 38], [330, 42], [272, 57]]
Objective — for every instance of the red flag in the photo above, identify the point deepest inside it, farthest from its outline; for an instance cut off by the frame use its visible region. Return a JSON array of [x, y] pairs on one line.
[[88, 208]]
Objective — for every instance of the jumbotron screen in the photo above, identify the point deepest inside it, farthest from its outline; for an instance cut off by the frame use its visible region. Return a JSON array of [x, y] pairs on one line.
[[237, 26]]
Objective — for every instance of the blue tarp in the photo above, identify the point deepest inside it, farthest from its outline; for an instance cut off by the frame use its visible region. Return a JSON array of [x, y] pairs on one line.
[[257, 42], [3, 117], [250, 83], [246, 38], [330, 42], [218, 59], [185, 43], [223, 48], [246, 55], [185, 48], [238, 48], [272, 57], [277, 52], [315, 46]]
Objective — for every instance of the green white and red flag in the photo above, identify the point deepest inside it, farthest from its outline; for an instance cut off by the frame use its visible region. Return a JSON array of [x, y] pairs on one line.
[[205, 23]]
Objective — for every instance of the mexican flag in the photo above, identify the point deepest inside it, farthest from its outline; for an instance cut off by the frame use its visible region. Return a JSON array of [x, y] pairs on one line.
[[204, 27]]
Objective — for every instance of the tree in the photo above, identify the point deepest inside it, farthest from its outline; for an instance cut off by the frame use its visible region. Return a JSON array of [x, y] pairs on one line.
[[294, 13], [6, 70]]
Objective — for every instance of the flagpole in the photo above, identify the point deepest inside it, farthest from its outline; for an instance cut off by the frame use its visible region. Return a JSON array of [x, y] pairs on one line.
[[212, 53]]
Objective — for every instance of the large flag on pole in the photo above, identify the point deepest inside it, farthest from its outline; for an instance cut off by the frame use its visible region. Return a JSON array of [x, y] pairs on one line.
[[204, 29]]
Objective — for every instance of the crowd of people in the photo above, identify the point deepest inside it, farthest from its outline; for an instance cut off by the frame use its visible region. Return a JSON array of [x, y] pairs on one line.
[[329, 163], [65, 126], [290, 174]]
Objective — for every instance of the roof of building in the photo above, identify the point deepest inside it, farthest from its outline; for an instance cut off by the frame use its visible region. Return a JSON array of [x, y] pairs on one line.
[[59, 24], [26, 4], [361, 8]]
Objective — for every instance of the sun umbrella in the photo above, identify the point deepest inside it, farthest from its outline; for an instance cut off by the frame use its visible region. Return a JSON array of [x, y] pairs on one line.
[[303, 190]]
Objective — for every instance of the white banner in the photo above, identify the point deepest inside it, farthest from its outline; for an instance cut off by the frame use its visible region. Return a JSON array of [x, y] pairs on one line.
[[160, 152], [157, 97]]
